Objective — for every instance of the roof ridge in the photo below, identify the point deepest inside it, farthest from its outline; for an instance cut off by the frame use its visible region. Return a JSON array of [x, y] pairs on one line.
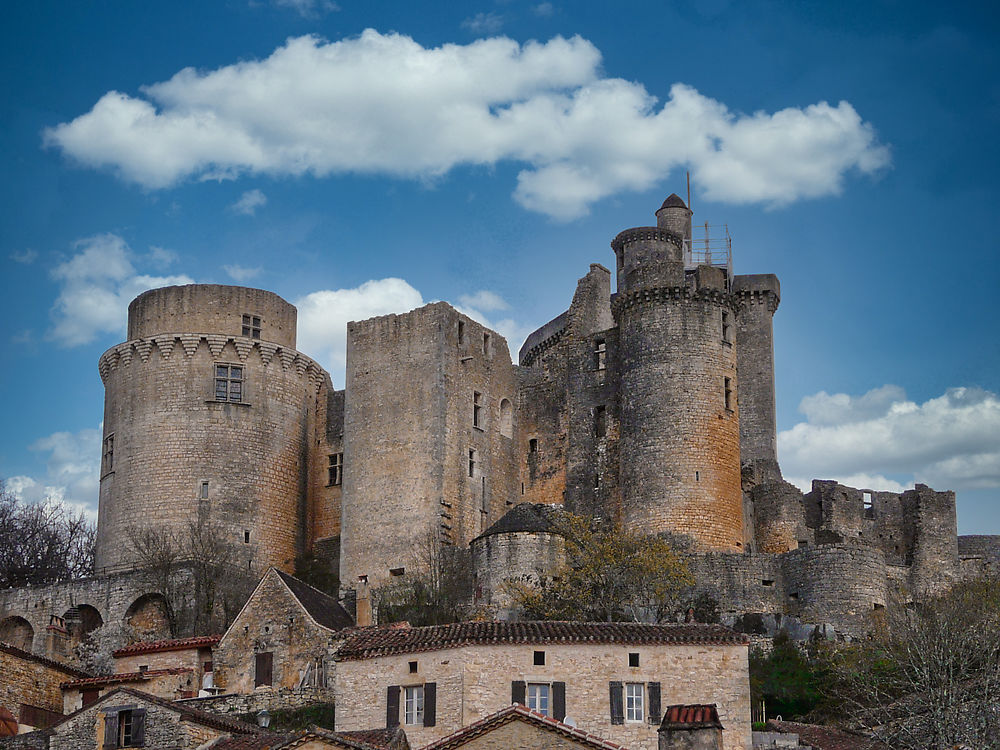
[[13, 650]]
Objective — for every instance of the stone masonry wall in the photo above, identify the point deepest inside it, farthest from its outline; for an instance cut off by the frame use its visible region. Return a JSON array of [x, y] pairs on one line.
[[278, 699], [25, 681], [475, 681], [518, 556]]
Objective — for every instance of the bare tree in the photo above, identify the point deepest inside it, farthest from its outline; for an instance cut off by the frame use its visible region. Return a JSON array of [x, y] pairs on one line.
[[929, 679], [42, 542]]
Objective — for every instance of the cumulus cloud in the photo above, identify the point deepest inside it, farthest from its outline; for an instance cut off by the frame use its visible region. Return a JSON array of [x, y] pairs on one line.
[[484, 300], [241, 274], [26, 257], [324, 315], [96, 285], [483, 23], [948, 442], [384, 104], [161, 257], [72, 472], [249, 202]]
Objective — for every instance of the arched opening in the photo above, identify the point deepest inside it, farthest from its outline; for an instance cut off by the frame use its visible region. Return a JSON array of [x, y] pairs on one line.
[[506, 418], [148, 617], [17, 632], [82, 619]]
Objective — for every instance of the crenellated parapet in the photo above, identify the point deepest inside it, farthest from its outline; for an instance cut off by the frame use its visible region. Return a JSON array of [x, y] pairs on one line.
[[186, 344], [673, 295], [757, 298]]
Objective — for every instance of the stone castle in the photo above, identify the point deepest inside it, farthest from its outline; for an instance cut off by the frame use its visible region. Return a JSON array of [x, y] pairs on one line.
[[653, 406]]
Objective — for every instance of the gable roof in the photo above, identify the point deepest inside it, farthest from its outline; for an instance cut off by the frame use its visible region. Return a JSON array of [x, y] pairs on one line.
[[517, 712], [826, 738], [385, 739], [215, 721], [364, 643], [323, 608], [22, 654], [174, 644]]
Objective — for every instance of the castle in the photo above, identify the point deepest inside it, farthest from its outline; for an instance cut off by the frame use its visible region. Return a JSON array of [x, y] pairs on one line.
[[652, 405]]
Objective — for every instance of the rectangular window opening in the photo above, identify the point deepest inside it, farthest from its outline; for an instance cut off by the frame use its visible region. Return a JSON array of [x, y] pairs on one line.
[[461, 333], [109, 454], [396, 572], [600, 354], [413, 711], [538, 694], [204, 491], [633, 659], [485, 506], [246, 537], [251, 326], [413, 667], [229, 383], [335, 470], [539, 659], [634, 693], [477, 409], [600, 421], [728, 386], [767, 582], [473, 460], [533, 445], [487, 344], [725, 328]]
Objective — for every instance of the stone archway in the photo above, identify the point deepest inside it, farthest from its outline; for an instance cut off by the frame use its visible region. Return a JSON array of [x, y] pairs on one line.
[[17, 632], [81, 620], [149, 617]]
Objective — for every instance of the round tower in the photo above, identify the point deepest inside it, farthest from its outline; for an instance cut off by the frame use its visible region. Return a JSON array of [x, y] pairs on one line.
[[208, 414], [680, 439]]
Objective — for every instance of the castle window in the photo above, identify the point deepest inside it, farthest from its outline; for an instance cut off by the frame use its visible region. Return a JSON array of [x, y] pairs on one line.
[[335, 470], [473, 460], [246, 537], [634, 694], [767, 582], [725, 328], [484, 506], [600, 421], [204, 490], [461, 333], [728, 387], [477, 409], [251, 326], [506, 418], [229, 383], [396, 572], [533, 445], [108, 457], [600, 354], [487, 344]]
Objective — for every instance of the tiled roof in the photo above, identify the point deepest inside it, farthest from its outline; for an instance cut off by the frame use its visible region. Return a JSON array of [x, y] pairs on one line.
[[517, 712], [364, 643], [262, 741], [826, 738], [21, 653], [691, 717], [384, 739], [176, 644], [111, 679], [324, 609]]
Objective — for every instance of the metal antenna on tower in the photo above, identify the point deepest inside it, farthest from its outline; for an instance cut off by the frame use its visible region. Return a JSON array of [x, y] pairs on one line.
[[689, 189]]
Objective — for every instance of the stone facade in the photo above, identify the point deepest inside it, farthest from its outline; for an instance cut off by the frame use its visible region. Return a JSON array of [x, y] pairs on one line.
[[29, 686]]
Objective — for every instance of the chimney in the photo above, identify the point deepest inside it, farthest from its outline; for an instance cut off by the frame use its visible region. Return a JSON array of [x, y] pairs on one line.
[[363, 616]]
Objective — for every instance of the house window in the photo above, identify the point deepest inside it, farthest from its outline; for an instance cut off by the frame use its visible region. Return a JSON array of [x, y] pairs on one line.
[[413, 709], [633, 701], [396, 572], [413, 667], [108, 457], [600, 354], [251, 326], [335, 470], [600, 421], [633, 659], [262, 668], [725, 328], [126, 729], [538, 697], [539, 659], [728, 390], [477, 409], [229, 383], [473, 460]]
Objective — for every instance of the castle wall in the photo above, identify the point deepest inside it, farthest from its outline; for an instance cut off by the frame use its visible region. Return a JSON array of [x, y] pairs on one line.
[[541, 437], [515, 556], [418, 462]]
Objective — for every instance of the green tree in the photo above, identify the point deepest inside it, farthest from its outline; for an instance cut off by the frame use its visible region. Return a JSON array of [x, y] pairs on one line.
[[787, 678], [609, 575]]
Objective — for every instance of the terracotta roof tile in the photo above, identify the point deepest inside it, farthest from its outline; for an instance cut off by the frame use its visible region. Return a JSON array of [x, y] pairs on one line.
[[699, 716], [384, 739], [364, 643], [111, 679], [176, 644], [826, 738], [262, 741], [518, 712], [21, 653]]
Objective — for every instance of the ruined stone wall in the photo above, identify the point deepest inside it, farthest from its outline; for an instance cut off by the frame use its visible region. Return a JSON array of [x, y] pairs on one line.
[[413, 382], [475, 681], [171, 435], [326, 486], [758, 296], [541, 438], [779, 516], [280, 699], [979, 555]]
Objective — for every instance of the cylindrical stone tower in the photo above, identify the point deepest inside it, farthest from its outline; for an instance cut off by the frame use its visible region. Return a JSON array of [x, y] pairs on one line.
[[209, 415], [680, 440]]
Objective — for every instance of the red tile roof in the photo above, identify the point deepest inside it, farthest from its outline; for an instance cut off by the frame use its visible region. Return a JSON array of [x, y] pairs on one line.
[[826, 738], [22, 654], [263, 741], [111, 679], [176, 644], [691, 717], [364, 643], [517, 712], [384, 739]]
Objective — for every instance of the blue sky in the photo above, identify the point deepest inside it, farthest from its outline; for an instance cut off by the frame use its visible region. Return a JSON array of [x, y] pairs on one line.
[[363, 158]]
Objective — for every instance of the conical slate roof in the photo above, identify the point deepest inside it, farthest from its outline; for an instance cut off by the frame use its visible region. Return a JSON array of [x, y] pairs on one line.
[[525, 517], [673, 201]]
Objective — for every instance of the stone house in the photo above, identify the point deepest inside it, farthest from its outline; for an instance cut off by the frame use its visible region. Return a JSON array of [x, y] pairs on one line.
[[128, 718], [29, 687], [609, 679], [283, 637], [191, 653]]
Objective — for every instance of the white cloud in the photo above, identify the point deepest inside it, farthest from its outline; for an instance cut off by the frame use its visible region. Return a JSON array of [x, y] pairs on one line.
[[484, 300], [249, 202], [875, 482], [96, 285], [324, 315], [26, 257], [72, 472], [308, 8], [240, 273], [948, 442], [544, 10], [161, 257], [477, 305], [483, 23], [382, 103]]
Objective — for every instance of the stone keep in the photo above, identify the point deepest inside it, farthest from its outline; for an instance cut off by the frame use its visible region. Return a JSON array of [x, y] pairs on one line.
[[211, 415]]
